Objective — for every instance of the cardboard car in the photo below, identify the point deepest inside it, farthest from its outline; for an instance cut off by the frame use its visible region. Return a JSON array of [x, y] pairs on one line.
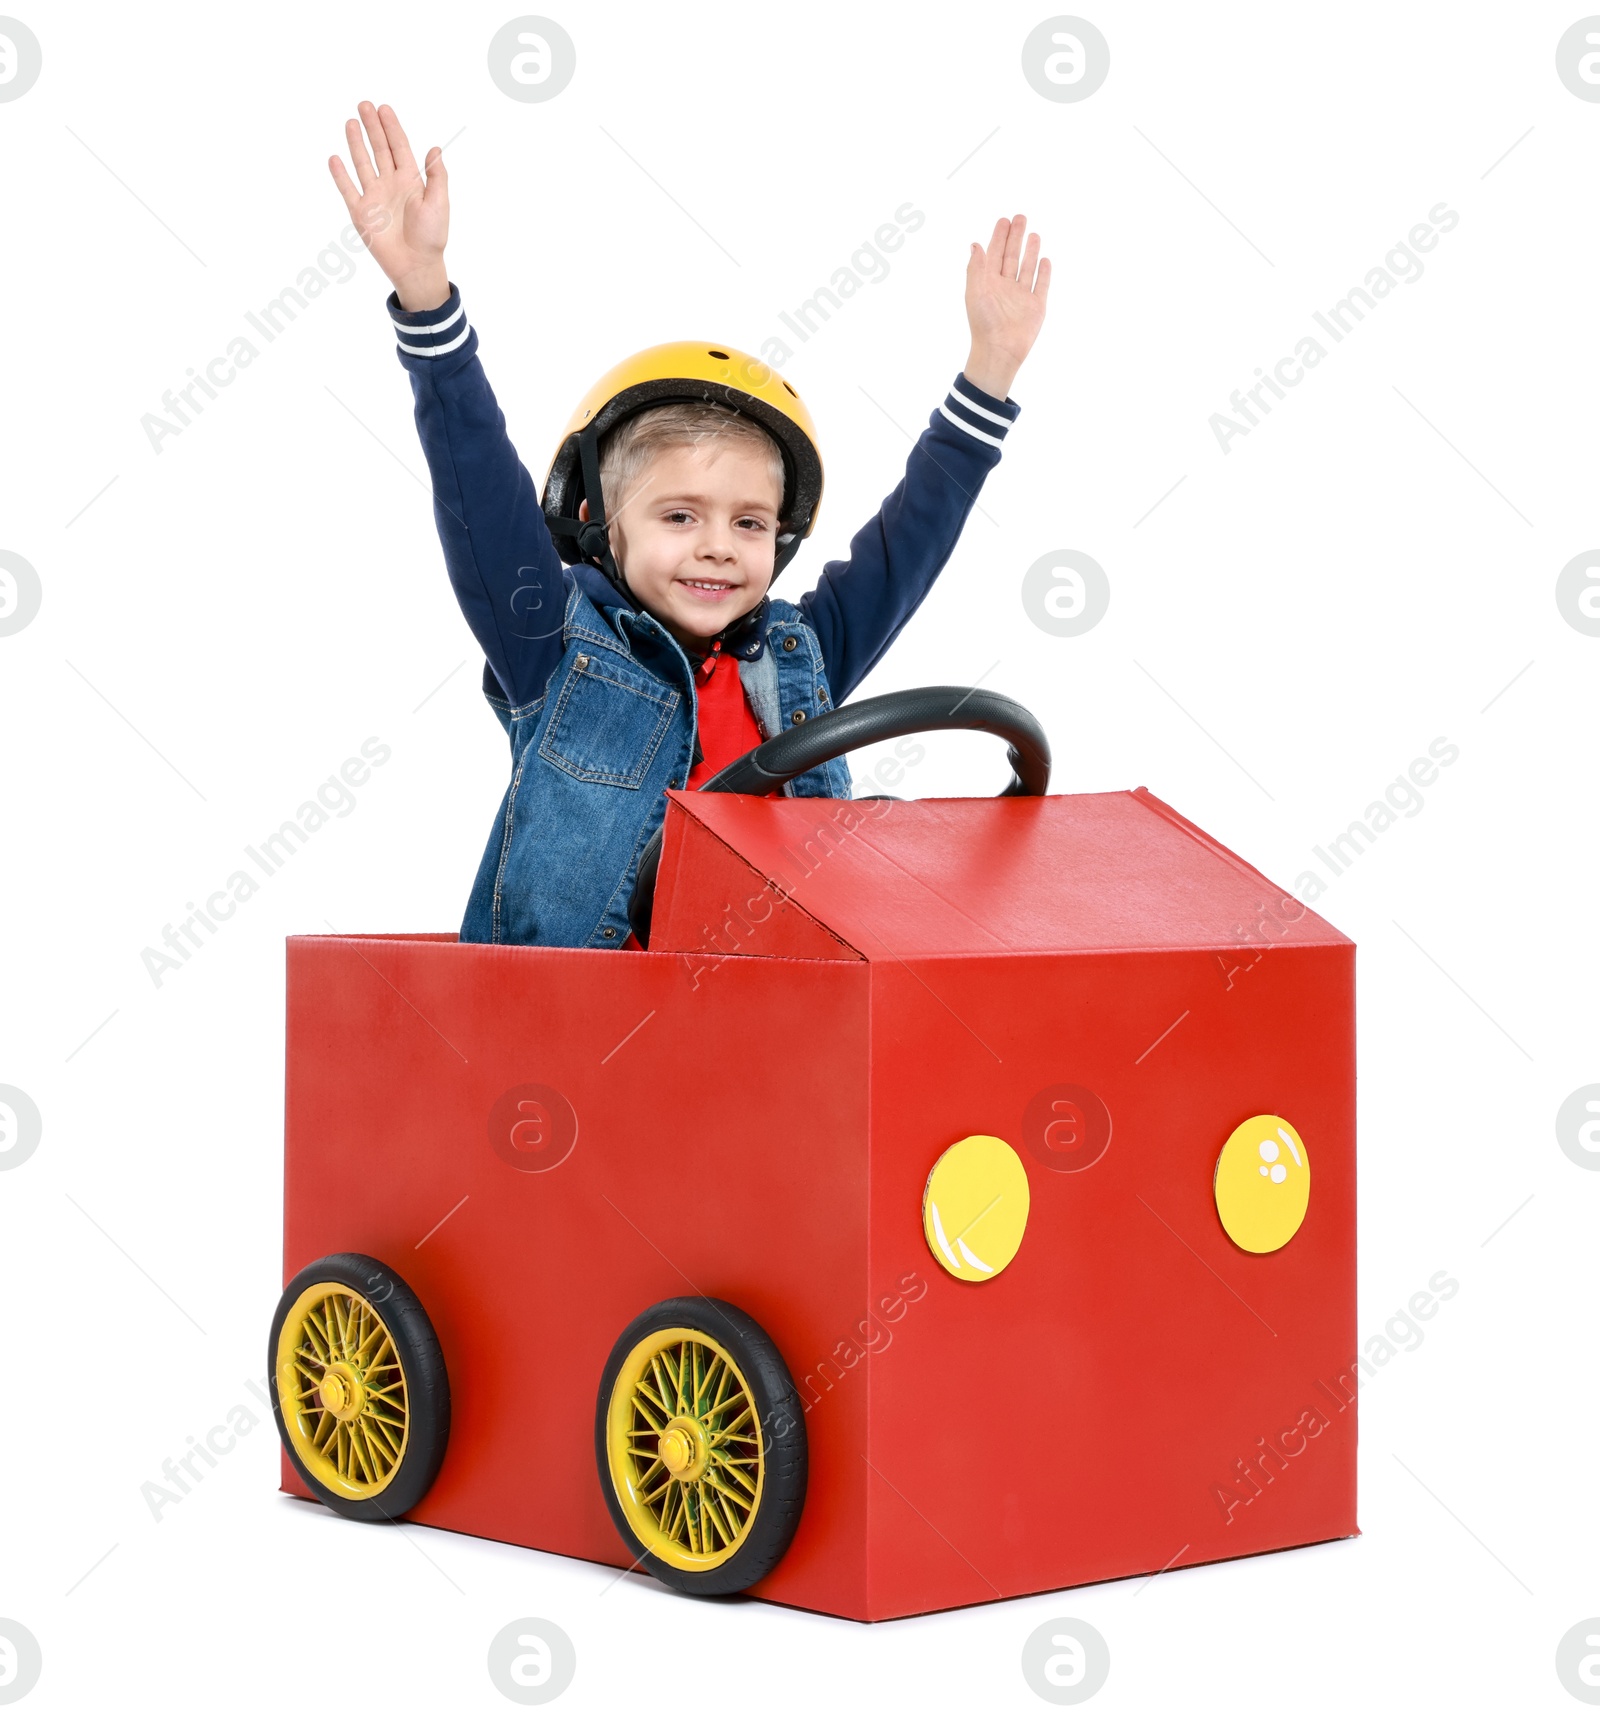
[[955, 1200]]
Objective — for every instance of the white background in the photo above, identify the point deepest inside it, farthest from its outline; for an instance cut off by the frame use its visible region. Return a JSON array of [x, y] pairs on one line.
[[1325, 599]]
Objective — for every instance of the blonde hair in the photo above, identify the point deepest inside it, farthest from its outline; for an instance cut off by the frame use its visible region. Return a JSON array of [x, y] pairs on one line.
[[627, 452]]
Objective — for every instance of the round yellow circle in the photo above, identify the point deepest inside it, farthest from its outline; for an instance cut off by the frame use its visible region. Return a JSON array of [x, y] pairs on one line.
[[975, 1207], [1262, 1183]]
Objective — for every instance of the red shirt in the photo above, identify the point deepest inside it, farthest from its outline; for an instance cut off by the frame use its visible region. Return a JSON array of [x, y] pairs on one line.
[[727, 724]]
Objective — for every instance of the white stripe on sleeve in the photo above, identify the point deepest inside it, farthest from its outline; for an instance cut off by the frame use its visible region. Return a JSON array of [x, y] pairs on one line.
[[961, 424], [450, 347], [973, 407], [427, 328]]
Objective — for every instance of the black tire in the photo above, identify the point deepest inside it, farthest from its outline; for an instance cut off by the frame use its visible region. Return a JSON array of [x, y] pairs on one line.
[[427, 1385], [779, 1415]]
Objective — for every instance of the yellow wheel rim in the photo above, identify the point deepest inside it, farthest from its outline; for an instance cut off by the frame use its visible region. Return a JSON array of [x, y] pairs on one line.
[[683, 1442], [342, 1391]]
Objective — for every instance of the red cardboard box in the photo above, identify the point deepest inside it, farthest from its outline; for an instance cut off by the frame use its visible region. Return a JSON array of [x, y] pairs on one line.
[[836, 993]]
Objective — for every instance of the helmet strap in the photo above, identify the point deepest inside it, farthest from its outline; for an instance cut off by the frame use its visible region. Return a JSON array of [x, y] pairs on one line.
[[593, 535]]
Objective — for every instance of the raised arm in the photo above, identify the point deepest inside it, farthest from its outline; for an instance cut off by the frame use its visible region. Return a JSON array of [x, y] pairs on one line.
[[502, 563], [861, 602]]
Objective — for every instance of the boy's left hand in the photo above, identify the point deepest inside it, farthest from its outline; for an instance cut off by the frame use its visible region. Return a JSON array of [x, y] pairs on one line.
[[1007, 286]]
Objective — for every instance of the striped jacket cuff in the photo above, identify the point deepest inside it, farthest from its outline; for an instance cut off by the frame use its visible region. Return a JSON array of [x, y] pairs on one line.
[[980, 415], [430, 334]]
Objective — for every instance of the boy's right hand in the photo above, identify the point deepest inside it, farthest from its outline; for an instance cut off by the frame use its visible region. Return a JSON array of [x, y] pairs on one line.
[[403, 221]]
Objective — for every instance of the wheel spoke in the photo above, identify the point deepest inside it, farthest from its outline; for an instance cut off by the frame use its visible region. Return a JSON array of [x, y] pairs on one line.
[[380, 1442], [708, 1507], [734, 1466], [651, 1390], [371, 1460], [666, 1396], [732, 1484], [725, 1405], [730, 1431], [360, 1456], [693, 1524], [745, 1503], [382, 1446], [716, 1382], [641, 1409]]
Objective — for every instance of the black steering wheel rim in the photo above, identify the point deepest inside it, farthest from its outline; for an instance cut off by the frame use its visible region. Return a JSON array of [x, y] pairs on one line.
[[863, 724]]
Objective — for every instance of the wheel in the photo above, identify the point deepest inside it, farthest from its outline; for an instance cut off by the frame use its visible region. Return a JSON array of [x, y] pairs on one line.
[[882, 718], [359, 1388], [700, 1440]]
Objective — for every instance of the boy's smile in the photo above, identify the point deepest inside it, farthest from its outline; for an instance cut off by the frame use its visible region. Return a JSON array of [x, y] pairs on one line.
[[697, 537]]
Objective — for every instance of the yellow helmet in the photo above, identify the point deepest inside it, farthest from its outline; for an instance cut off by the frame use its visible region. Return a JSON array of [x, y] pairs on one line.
[[680, 371]]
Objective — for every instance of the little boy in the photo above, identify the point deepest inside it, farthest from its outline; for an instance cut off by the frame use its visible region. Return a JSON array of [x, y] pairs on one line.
[[657, 657]]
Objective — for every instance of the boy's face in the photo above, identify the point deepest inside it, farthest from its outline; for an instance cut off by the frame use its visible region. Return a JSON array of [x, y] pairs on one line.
[[697, 537]]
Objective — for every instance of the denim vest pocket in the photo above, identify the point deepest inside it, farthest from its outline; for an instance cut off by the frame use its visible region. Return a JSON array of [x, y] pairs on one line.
[[608, 722]]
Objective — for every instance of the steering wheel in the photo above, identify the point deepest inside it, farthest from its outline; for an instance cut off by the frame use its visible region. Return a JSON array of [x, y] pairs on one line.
[[882, 718]]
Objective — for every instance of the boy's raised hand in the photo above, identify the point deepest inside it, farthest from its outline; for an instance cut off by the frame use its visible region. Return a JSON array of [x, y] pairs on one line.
[[403, 220], [1007, 286]]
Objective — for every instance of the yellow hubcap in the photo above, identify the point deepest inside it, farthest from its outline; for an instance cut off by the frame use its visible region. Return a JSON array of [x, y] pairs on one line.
[[684, 1449], [342, 1390]]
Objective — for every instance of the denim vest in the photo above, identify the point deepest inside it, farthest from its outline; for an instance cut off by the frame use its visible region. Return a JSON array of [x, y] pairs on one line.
[[593, 755]]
